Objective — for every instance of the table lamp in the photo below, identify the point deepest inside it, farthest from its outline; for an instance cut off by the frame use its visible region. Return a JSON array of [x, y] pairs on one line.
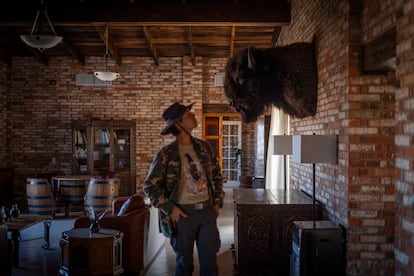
[[314, 149], [282, 145]]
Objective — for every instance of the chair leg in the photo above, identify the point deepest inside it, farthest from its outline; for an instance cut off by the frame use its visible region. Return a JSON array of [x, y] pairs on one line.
[[67, 209]]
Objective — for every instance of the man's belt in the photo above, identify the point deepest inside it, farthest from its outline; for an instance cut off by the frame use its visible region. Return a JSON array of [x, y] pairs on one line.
[[196, 206]]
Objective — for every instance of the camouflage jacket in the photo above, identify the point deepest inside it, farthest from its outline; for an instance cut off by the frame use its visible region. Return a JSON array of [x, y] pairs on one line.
[[163, 178]]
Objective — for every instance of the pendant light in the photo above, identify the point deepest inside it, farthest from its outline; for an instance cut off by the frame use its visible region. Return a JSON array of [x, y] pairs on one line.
[[39, 41], [106, 75]]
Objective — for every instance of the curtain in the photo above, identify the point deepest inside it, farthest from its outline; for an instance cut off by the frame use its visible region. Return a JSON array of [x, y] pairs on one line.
[[279, 125]]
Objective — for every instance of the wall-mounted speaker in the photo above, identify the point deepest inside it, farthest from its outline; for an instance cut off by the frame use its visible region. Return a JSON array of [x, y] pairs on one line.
[[218, 79]]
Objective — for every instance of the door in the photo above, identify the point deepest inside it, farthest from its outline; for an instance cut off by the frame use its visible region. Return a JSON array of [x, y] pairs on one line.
[[231, 149]]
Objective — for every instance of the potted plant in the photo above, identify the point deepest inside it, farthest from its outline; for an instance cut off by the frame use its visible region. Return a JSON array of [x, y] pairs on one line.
[[244, 180], [237, 153]]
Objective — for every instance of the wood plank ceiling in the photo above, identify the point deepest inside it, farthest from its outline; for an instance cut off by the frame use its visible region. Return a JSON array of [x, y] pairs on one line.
[[144, 28]]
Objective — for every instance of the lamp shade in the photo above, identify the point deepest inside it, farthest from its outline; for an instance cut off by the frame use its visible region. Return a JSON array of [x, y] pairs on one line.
[[282, 144], [41, 41], [107, 76], [314, 148]]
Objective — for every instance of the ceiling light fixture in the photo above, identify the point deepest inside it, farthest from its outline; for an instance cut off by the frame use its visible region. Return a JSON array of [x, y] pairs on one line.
[[106, 75], [39, 41]]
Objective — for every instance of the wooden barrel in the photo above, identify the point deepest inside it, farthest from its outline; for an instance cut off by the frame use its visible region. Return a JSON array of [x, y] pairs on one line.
[[72, 189], [40, 199], [101, 193]]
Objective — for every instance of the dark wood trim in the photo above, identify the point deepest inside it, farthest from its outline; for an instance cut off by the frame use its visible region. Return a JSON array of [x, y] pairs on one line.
[[218, 108], [275, 35]]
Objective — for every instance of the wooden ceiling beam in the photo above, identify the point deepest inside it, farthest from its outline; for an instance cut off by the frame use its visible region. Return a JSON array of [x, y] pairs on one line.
[[233, 35], [138, 24], [73, 50], [170, 27], [248, 11], [71, 47], [106, 38], [190, 44], [151, 46]]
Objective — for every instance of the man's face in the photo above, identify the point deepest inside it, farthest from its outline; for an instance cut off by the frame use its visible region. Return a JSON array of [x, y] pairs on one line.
[[188, 121]]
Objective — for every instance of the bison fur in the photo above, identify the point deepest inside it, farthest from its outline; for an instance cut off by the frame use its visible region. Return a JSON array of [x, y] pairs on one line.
[[285, 77]]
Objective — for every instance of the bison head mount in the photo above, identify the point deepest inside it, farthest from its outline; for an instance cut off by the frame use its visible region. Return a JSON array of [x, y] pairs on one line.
[[285, 77]]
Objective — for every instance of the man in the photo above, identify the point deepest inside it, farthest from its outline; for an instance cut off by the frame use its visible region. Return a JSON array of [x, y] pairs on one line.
[[186, 184]]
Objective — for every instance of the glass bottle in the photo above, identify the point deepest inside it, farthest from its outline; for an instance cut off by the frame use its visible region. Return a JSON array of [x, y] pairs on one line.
[[14, 211]]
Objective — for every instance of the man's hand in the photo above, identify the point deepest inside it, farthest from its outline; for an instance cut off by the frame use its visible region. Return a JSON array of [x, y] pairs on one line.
[[217, 209], [176, 214]]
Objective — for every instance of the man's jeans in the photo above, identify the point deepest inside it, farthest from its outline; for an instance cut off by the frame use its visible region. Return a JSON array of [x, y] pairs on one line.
[[200, 226]]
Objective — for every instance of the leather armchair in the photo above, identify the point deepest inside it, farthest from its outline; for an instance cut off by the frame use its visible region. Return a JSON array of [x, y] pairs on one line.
[[133, 222]]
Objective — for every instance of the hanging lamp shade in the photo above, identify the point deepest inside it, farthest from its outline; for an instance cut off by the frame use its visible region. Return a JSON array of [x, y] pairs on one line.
[[106, 75], [282, 144], [41, 41], [314, 149]]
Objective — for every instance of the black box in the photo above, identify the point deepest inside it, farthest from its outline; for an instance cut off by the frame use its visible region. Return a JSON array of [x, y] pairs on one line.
[[318, 248]]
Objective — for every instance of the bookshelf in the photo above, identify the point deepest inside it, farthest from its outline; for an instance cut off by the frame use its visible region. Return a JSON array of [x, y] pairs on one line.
[[80, 151], [104, 148]]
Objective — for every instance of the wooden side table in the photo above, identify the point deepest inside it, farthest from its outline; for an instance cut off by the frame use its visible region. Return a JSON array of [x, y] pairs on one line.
[[22, 222], [85, 253]]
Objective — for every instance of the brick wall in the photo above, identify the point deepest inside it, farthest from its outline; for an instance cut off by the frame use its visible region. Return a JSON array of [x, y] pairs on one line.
[[4, 159], [44, 101], [404, 140], [322, 21], [371, 131], [358, 192]]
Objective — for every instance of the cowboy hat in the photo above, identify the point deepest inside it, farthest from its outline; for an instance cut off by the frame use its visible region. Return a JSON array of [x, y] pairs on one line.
[[173, 114]]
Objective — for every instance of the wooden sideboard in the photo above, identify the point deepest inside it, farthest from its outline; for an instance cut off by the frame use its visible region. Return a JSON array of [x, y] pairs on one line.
[[263, 223]]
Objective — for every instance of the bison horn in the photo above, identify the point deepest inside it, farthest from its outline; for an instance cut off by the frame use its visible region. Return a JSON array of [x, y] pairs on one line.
[[250, 59]]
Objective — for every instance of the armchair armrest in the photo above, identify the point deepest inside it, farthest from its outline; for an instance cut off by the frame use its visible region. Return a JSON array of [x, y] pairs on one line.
[[139, 201], [117, 204], [113, 221]]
